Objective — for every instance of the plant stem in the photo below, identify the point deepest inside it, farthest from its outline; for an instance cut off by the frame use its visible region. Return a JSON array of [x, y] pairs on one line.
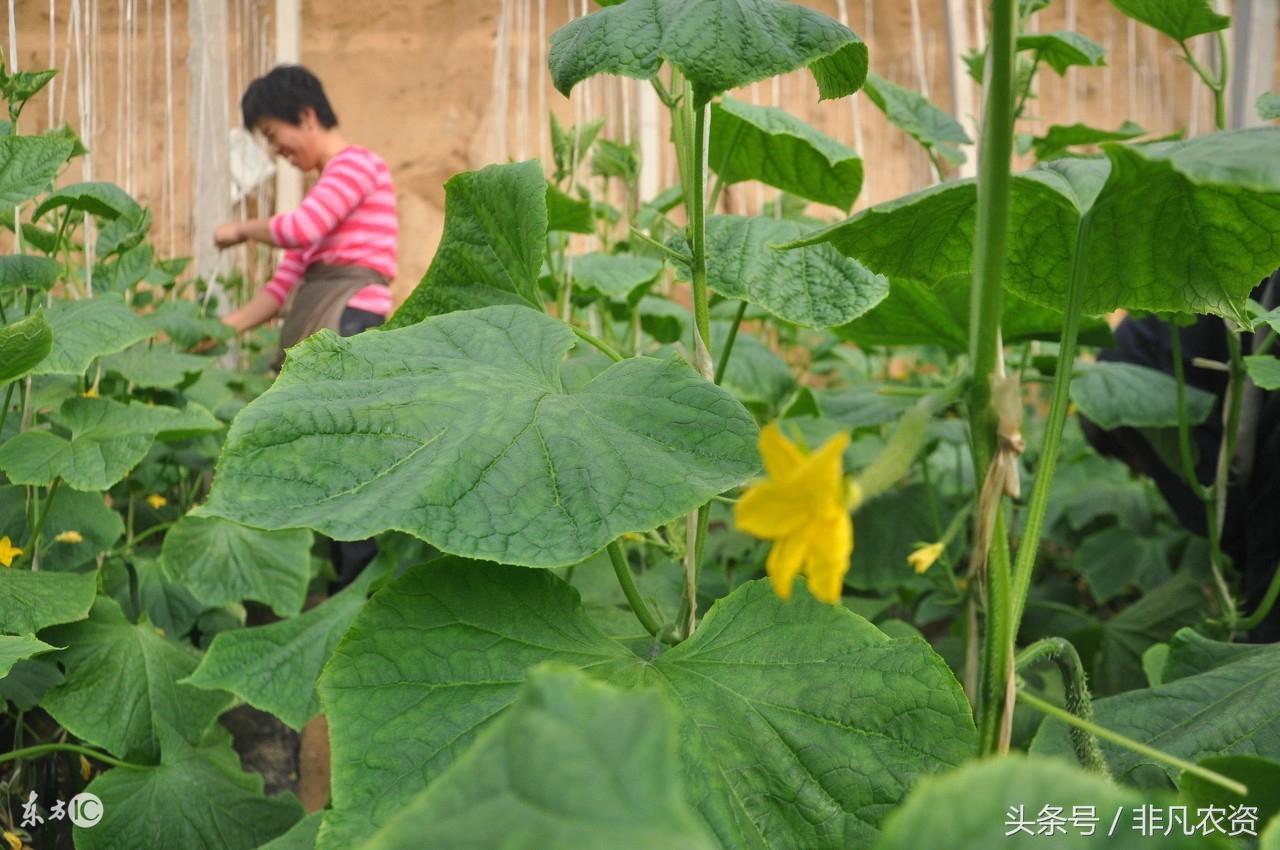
[[1039, 503], [629, 589], [37, 527], [41, 749], [723, 364], [667, 251], [1051, 710], [1264, 608], [598, 343], [990, 244], [698, 241]]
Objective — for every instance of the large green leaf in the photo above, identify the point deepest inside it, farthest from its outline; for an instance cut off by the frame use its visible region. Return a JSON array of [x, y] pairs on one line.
[[1114, 649], [168, 606], [1147, 207], [155, 368], [1191, 653], [457, 430], [222, 562], [616, 750], [1063, 49], [716, 45], [89, 328], [622, 277], [1118, 557], [1178, 19], [1230, 709], [495, 227], [107, 440], [30, 601], [1264, 370], [801, 723], [568, 214], [17, 648], [301, 836], [770, 145], [275, 667], [1268, 106], [755, 374], [815, 286], [1061, 137], [97, 526], [1000, 802], [122, 680], [915, 314], [23, 345], [105, 200], [26, 270], [1115, 395], [28, 164], [918, 117], [185, 323], [195, 799]]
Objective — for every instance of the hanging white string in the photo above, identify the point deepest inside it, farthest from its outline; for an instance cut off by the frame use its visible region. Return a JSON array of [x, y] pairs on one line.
[[53, 54], [13, 38], [855, 113], [498, 103], [73, 36], [522, 82]]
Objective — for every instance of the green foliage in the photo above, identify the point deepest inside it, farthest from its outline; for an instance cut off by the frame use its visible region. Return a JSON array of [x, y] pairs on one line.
[[567, 214], [275, 667], [616, 749], [107, 439], [715, 46], [32, 600], [17, 648], [19, 270], [222, 562], [1178, 19], [155, 368], [1060, 138], [1146, 256], [915, 314], [197, 798], [105, 200], [89, 328], [23, 345], [86, 514], [28, 165], [121, 684], [1268, 106], [1264, 371], [918, 117], [814, 287], [617, 160], [767, 144], [1062, 50], [971, 807], [491, 250], [1224, 710], [621, 277], [492, 449], [1116, 395], [775, 720]]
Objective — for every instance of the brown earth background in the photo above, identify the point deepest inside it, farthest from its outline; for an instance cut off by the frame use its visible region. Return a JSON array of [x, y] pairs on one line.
[[442, 86]]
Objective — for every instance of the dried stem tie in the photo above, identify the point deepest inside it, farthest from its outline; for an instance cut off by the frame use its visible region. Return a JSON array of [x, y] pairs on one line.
[[1002, 474]]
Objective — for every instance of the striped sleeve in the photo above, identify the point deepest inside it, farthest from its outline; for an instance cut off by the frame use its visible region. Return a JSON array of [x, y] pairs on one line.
[[290, 270], [345, 183]]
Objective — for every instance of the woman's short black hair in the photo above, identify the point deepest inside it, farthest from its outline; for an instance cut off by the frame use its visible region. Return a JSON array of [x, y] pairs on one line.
[[284, 93]]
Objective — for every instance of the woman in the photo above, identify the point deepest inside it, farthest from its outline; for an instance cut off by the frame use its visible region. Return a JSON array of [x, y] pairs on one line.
[[340, 245]]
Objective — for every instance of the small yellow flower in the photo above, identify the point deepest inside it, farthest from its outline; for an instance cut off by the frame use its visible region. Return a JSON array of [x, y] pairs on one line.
[[803, 508], [924, 557], [85, 771], [92, 392], [70, 537], [14, 842], [157, 501], [8, 551]]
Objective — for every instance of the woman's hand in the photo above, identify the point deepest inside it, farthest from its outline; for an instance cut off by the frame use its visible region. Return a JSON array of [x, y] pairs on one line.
[[228, 235]]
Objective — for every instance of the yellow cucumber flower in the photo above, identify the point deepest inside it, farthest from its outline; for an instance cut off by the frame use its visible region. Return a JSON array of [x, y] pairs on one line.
[[803, 508], [924, 557], [14, 842], [157, 501], [8, 551], [70, 537]]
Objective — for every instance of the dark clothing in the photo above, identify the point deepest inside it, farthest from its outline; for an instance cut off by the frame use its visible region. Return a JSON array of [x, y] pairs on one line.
[[1253, 493]]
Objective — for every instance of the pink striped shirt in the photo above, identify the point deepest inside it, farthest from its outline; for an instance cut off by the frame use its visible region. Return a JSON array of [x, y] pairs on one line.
[[347, 219]]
